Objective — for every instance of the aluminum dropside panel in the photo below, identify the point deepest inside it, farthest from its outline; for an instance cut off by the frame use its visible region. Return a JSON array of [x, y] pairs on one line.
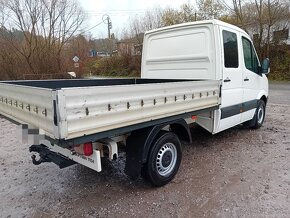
[[28, 105], [89, 110]]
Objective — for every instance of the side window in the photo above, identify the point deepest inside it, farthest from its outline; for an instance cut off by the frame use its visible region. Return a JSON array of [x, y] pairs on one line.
[[231, 56], [250, 58]]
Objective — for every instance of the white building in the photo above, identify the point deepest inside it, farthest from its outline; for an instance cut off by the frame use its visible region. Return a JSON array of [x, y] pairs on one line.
[[279, 32]]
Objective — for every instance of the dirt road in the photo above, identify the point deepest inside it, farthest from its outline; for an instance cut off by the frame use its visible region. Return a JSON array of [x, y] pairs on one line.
[[237, 173]]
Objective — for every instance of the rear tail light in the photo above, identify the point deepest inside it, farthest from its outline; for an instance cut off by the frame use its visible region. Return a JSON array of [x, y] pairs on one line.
[[88, 149], [84, 149]]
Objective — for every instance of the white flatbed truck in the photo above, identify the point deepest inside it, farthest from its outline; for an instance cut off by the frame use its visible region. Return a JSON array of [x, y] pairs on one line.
[[205, 72]]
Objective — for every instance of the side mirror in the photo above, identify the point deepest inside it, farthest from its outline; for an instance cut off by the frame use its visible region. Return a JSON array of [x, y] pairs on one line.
[[266, 66]]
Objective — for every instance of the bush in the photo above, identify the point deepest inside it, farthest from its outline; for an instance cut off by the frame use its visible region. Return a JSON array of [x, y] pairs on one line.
[[115, 66], [280, 62]]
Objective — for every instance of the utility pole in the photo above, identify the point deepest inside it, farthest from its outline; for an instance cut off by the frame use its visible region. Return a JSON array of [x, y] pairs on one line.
[[107, 20], [109, 34], [109, 26]]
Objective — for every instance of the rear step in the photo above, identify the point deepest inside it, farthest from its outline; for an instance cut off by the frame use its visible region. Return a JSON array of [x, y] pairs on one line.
[[46, 155]]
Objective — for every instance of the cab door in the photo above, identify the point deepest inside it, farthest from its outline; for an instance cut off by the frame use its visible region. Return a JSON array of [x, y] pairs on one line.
[[252, 79], [232, 84]]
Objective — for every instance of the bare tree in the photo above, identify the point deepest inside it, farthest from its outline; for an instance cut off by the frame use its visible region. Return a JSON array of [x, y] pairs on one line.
[[46, 25], [141, 23], [260, 17], [158, 17], [2, 13], [186, 13], [210, 9], [152, 19], [277, 14]]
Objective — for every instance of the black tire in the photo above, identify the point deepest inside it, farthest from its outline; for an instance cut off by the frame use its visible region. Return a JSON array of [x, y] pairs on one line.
[[164, 159], [259, 116]]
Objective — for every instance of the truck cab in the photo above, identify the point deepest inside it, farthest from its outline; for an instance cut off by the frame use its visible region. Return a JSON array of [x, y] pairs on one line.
[[211, 50]]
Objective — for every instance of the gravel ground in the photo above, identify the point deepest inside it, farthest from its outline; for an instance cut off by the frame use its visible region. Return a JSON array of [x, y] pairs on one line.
[[237, 173]]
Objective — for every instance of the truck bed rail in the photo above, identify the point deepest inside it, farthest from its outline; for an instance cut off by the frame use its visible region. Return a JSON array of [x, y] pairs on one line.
[[72, 112]]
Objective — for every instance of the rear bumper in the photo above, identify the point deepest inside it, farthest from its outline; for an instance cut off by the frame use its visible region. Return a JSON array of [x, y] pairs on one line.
[[64, 157]]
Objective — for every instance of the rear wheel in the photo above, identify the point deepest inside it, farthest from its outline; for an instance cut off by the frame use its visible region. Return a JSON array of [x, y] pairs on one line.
[[164, 159]]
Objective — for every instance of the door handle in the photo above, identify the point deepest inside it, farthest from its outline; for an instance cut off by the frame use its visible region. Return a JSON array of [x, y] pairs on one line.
[[227, 80], [246, 79]]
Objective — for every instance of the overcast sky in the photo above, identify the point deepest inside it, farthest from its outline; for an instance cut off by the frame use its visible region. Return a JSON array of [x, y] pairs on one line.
[[119, 11]]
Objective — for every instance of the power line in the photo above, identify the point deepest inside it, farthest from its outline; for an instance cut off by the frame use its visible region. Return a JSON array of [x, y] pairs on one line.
[[118, 15], [114, 12], [124, 10], [91, 28]]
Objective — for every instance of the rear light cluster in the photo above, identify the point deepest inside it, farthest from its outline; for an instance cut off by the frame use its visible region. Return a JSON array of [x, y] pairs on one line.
[[84, 149], [88, 149]]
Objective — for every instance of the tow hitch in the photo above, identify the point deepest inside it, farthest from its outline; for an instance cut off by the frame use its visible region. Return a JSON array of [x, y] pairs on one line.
[[46, 155], [37, 162]]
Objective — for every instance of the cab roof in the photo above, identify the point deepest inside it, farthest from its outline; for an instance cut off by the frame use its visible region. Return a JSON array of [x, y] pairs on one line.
[[195, 23]]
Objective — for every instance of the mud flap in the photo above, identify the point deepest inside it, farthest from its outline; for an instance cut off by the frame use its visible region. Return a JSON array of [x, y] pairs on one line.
[[134, 148], [134, 152]]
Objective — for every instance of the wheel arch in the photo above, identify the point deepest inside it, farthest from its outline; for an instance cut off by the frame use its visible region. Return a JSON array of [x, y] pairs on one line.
[[140, 141], [264, 98], [263, 95], [179, 127]]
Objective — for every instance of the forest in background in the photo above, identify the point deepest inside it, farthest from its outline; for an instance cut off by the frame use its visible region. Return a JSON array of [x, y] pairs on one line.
[[39, 38]]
